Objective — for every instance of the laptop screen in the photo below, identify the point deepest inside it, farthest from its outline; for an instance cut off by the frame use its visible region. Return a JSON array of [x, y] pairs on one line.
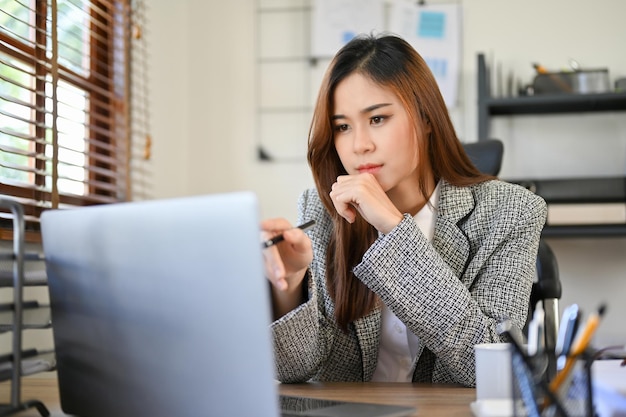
[[160, 308]]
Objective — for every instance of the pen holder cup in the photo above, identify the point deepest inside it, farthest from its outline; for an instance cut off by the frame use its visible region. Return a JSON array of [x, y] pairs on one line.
[[532, 396]]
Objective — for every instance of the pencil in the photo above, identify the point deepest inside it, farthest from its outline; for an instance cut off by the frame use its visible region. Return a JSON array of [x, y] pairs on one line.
[[580, 345], [280, 238]]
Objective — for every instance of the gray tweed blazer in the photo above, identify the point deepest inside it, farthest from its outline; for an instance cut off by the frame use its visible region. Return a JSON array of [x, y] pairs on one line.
[[451, 293]]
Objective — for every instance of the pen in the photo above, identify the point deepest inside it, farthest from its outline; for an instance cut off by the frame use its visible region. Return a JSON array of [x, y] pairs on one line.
[[580, 345], [565, 336], [280, 238], [512, 332], [507, 328], [569, 326], [536, 332], [515, 335]]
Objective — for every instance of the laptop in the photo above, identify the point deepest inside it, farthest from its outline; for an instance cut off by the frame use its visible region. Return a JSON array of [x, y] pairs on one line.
[[161, 308]]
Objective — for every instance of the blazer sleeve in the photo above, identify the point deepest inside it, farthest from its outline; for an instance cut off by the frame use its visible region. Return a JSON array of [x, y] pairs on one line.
[[451, 313], [303, 337]]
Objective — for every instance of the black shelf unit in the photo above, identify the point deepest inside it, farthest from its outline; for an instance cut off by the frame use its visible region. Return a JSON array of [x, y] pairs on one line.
[[587, 230], [489, 107], [540, 104], [19, 315], [558, 103]]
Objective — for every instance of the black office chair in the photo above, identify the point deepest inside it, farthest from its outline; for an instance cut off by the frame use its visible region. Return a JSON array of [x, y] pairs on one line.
[[487, 157]]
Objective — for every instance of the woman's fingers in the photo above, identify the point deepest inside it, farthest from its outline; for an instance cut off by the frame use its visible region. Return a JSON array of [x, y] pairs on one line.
[[344, 201], [362, 194], [274, 268], [285, 261], [273, 263], [273, 227]]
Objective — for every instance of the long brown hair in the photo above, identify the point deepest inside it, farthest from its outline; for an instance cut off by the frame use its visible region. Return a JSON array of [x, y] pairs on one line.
[[392, 63]]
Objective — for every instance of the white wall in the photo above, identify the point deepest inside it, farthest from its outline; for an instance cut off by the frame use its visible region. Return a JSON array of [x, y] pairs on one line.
[[203, 95]]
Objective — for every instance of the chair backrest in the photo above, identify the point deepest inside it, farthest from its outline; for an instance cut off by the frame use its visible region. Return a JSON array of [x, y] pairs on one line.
[[547, 289], [487, 157]]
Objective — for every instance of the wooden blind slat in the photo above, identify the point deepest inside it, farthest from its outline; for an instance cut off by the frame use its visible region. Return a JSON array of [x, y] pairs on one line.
[[103, 172], [27, 71], [23, 138], [110, 161], [18, 151], [97, 75], [25, 121]]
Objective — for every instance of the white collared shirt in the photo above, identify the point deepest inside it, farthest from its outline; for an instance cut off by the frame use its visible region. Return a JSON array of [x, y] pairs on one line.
[[398, 345]]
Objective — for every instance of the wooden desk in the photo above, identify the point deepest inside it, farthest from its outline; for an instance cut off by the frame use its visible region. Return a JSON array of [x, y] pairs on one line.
[[429, 400]]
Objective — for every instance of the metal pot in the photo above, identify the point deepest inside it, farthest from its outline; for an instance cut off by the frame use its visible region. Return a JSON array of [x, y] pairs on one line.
[[577, 82], [591, 81]]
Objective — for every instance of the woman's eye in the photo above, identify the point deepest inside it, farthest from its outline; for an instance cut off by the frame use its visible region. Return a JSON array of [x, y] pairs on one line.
[[376, 120], [341, 128]]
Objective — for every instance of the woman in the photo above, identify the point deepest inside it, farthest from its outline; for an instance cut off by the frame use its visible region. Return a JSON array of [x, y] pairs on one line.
[[415, 256]]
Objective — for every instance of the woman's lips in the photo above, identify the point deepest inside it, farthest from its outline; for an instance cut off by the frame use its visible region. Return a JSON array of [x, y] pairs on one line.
[[371, 168]]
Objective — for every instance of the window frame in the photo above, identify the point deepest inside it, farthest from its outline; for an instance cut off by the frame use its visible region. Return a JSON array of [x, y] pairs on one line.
[[107, 124]]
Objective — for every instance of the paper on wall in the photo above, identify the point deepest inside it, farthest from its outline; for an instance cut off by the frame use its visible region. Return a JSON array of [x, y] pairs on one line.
[[335, 22], [434, 30]]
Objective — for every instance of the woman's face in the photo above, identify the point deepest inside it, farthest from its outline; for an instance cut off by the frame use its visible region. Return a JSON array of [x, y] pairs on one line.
[[374, 133]]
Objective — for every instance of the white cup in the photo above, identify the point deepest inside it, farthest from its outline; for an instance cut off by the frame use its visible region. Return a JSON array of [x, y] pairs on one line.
[[493, 371]]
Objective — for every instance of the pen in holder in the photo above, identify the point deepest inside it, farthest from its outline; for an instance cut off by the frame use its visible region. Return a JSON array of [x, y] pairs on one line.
[[533, 396], [536, 393]]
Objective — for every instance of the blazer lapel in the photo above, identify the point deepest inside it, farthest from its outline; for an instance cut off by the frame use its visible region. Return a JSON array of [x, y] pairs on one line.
[[368, 332], [455, 203]]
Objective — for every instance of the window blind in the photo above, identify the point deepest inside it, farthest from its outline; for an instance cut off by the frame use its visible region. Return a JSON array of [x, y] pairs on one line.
[[65, 117], [141, 167]]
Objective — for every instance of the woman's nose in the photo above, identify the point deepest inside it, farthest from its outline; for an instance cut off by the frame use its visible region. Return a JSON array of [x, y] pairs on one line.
[[362, 141]]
